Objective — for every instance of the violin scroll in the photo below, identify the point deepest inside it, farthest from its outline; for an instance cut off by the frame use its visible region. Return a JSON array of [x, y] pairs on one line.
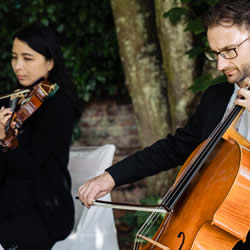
[[10, 140]]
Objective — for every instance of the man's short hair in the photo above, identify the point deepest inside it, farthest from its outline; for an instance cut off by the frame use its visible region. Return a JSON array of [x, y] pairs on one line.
[[234, 12]]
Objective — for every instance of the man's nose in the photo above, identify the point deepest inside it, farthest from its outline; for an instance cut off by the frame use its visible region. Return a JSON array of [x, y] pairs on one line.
[[222, 63]]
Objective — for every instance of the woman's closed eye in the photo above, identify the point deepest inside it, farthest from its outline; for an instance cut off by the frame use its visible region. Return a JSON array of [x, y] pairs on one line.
[[28, 58]]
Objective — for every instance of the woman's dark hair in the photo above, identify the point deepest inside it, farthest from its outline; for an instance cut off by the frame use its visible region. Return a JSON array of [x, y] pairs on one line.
[[233, 12], [44, 40]]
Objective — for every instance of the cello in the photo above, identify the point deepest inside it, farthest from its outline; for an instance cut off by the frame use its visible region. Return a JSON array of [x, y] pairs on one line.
[[208, 206]]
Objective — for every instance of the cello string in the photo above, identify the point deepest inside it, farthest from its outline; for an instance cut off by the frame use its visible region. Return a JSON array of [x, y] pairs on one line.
[[199, 159], [216, 132], [151, 220], [182, 175], [192, 161], [196, 162], [156, 238], [152, 217], [146, 227]]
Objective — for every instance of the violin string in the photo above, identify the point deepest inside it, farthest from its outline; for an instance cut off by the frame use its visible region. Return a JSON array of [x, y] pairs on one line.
[[200, 158]]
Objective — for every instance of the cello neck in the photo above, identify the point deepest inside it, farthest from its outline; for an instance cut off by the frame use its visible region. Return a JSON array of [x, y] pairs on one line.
[[174, 194]]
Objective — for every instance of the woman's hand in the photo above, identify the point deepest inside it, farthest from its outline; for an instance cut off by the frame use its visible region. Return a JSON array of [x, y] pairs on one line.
[[5, 114], [96, 188]]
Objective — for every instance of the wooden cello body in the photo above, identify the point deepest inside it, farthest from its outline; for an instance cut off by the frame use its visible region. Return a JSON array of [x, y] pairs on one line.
[[213, 211]]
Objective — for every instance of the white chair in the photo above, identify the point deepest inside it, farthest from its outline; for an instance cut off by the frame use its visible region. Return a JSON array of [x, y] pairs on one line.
[[94, 228]]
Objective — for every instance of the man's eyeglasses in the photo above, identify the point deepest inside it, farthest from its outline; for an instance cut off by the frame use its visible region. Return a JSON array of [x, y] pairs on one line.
[[226, 54]]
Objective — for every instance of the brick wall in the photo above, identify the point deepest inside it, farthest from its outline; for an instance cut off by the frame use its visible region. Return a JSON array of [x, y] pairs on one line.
[[109, 121]]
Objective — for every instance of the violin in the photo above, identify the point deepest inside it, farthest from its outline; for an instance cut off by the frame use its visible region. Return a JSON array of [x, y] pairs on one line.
[[23, 104]]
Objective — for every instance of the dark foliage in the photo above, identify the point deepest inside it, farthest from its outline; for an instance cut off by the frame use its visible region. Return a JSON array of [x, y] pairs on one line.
[[87, 35]]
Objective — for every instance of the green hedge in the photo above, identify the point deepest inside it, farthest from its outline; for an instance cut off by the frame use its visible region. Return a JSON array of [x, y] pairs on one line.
[[87, 36]]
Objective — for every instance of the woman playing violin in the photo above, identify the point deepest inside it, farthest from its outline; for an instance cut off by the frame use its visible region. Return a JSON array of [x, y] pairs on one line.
[[36, 203]]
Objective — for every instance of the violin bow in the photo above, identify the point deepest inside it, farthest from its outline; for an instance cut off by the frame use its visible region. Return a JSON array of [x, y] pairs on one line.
[[20, 91], [16, 93]]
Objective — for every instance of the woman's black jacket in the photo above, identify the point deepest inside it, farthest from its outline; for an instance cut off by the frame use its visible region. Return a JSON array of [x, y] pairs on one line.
[[38, 167]]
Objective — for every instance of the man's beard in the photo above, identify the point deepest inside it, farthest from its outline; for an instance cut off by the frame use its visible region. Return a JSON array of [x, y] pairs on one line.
[[245, 73]]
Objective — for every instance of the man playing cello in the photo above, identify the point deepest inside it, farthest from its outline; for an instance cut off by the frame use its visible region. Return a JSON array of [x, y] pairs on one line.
[[228, 33]]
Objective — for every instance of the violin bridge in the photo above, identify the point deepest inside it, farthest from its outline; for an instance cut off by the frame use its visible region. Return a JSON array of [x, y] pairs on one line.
[[154, 242]]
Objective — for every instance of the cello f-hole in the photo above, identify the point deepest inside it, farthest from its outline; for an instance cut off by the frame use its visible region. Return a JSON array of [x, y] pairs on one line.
[[183, 239]]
